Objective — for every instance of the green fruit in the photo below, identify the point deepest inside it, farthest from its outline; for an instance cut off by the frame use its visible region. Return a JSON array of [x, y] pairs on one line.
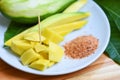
[[26, 11]]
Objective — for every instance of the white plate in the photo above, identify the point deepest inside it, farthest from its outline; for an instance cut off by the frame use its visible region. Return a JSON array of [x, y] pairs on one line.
[[97, 26]]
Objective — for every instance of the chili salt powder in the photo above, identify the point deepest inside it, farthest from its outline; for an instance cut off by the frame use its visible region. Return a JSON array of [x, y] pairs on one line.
[[80, 47]]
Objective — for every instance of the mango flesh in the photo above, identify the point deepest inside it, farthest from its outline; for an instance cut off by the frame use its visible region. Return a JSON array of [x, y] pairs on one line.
[[64, 18], [75, 6], [39, 48], [8, 43], [44, 54], [67, 28], [33, 36], [55, 20], [55, 52], [40, 64], [19, 46], [51, 36], [29, 56], [51, 63]]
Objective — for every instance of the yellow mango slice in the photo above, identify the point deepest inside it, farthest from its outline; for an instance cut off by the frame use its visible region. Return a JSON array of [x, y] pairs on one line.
[[64, 33], [39, 48], [55, 52], [33, 36], [52, 36], [51, 21], [67, 28], [33, 43], [29, 56], [51, 63], [40, 64], [60, 21], [44, 54], [14, 39], [19, 46], [75, 6]]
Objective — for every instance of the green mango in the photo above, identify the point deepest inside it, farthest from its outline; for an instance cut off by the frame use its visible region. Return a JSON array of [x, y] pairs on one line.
[[26, 11]]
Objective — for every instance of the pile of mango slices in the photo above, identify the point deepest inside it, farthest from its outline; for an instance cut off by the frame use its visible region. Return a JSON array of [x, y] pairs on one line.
[[46, 54], [43, 55], [34, 54]]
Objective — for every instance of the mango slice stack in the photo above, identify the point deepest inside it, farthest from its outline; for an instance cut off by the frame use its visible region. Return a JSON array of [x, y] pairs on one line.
[[36, 55]]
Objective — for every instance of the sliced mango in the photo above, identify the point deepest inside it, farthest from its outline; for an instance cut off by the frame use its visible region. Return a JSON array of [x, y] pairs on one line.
[[19, 46], [67, 28], [39, 48], [52, 36], [40, 64], [75, 6], [55, 52], [33, 43], [55, 20], [51, 63], [44, 54], [8, 43], [33, 36], [63, 18], [29, 56]]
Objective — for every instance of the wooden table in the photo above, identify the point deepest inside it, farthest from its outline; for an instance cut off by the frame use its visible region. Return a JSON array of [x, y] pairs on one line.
[[103, 69]]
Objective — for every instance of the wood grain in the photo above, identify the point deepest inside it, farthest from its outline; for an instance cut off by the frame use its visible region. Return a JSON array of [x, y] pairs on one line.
[[102, 69]]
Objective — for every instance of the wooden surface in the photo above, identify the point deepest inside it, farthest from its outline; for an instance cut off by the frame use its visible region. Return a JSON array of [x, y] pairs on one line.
[[103, 69]]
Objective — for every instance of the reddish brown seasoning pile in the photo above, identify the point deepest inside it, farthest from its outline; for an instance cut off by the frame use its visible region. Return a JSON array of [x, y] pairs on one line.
[[81, 47]]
